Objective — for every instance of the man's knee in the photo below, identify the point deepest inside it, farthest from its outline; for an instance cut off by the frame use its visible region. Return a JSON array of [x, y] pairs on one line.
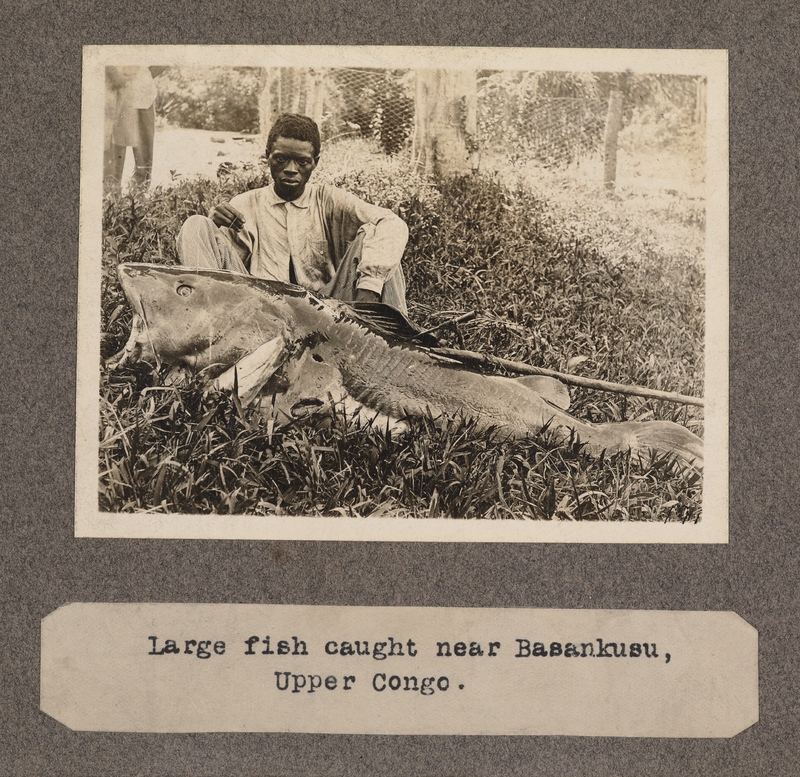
[[197, 224], [195, 237], [201, 243]]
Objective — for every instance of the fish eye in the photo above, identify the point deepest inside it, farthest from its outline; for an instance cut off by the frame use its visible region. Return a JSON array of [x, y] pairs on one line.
[[184, 290]]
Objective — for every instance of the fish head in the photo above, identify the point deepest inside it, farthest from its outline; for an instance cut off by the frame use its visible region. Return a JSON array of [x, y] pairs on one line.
[[200, 318]]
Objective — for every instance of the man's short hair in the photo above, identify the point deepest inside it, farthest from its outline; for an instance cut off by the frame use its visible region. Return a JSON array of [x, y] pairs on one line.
[[296, 127]]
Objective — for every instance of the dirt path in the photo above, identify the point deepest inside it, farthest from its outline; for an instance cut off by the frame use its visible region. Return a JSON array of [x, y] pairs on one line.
[[186, 153]]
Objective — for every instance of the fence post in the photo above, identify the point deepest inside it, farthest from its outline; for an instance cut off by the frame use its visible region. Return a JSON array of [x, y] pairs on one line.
[[613, 125]]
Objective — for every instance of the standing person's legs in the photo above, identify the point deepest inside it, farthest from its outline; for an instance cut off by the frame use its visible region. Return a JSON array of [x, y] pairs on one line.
[[201, 244], [343, 286], [143, 151], [113, 154], [113, 164]]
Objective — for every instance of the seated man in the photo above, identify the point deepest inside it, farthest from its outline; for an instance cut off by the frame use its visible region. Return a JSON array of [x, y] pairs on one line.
[[320, 237]]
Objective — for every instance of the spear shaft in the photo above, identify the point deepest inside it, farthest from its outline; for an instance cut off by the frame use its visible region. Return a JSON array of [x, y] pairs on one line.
[[485, 360]]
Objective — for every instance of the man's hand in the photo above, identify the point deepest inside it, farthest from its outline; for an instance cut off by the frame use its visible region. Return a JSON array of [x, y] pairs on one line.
[[224, 215], [365, 295]]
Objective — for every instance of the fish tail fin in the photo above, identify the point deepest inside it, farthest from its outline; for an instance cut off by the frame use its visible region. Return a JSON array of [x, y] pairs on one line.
[[663, 438]]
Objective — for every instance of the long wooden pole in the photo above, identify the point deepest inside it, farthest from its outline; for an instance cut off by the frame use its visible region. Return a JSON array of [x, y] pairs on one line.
[[485, 360]]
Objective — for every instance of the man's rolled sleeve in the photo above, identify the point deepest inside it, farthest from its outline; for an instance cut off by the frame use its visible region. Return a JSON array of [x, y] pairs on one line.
[[385, 238]]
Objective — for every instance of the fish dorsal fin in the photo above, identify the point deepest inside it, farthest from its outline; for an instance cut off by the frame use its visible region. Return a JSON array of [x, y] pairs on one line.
[[554, 391], [389, 322]]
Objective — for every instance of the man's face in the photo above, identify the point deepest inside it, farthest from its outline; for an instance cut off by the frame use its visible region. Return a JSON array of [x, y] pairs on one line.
[[291, 163]]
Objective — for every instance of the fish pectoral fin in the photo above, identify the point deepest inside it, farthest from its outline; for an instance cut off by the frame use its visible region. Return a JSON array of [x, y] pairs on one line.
[[251, 372], [554, 391]]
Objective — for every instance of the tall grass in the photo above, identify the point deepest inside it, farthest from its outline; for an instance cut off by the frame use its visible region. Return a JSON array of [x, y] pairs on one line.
[[543, 295]]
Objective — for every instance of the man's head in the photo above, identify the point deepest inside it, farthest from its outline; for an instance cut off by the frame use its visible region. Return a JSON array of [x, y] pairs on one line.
[[293, 147], [296, 127]]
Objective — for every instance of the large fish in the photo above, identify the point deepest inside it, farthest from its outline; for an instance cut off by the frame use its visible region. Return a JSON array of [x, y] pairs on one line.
[[299, 353]]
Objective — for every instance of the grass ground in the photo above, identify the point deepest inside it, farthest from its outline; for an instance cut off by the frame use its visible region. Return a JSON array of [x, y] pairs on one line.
[[561, 276]]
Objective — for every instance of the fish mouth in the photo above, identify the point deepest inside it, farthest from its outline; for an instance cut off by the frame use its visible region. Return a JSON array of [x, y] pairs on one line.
[[126, 274], [131, 351], [140, 346]]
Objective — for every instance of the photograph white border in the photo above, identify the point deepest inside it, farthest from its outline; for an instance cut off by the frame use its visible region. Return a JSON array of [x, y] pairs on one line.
[[713, 527]]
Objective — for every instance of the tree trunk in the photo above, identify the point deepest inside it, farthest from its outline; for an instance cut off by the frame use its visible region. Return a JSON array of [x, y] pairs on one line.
[[270, 77], [613, 125], [445, 133], [315, 95], [289, 90], [700, 102]]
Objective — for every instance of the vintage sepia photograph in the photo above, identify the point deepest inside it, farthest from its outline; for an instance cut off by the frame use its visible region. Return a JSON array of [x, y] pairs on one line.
[[403, 294]]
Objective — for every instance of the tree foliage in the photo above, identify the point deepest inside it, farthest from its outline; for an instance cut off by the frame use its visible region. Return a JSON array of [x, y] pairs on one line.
[[219, 99]]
